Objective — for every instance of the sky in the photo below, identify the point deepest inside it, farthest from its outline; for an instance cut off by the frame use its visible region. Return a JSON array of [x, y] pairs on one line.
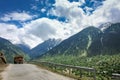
[[31, 22]]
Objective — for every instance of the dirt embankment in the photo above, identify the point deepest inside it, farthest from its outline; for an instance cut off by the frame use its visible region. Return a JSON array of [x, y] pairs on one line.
[[2, 68]]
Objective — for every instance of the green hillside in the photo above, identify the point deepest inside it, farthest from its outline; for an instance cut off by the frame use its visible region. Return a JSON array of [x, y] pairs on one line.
[[90, 41], [79, 44], [11, 50], [91, 48]]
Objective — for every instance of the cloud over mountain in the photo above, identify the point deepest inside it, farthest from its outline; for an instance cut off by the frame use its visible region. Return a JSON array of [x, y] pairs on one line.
[[39, 29]]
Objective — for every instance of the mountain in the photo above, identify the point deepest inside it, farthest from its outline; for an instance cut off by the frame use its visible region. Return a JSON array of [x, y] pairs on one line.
[[10, 50], [80, 44], [44, 47], [111, 39], [24, 48], [91, 47], [90, 41], [105, 26]]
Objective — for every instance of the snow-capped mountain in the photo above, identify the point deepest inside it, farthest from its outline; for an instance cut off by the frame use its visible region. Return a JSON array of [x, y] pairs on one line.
[[44, 47], [105, 26]]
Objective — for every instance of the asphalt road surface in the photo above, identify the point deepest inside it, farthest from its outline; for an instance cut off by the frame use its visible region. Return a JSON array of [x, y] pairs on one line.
[[30, 72]]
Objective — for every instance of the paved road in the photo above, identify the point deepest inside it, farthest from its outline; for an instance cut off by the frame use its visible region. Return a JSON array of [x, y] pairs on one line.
[[30, 72]]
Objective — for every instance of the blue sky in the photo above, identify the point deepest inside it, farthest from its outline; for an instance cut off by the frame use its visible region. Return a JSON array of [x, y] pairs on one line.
[[29, 6], [34, 7], [31, 22]]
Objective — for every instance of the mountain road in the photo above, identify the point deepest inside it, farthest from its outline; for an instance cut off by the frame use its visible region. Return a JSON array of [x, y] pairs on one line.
[[30, 72]]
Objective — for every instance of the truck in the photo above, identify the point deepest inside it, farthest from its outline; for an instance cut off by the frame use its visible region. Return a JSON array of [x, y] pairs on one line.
[[18, 59]]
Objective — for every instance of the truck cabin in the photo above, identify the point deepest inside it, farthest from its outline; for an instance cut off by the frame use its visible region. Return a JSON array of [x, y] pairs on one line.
[[18, 60]]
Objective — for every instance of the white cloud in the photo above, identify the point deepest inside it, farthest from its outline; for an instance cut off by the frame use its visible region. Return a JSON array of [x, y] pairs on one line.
[[45, 28], [18, 35], [63, 7], [108, 12], [29, 39], [9, 31], [82, 1], [43, 10], [72, 12], [20, 16], [88, 9], [34, 32], [42, 29]]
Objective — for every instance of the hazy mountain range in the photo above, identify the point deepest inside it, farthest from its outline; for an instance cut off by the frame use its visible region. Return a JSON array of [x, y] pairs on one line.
[[44, 47], [24, 48], [41, 48]]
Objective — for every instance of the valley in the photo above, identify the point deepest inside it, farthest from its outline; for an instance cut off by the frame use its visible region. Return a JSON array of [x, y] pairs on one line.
[[59, 39], [91, 47]]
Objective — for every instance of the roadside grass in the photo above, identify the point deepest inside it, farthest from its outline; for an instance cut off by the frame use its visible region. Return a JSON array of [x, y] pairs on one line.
[[105, 65]]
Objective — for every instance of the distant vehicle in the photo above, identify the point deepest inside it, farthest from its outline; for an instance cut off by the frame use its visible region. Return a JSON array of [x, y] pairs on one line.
[[18, 59]]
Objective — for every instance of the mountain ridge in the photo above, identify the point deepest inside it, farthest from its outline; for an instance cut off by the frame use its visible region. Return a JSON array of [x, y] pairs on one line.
[[44, 47], [90, 41]]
